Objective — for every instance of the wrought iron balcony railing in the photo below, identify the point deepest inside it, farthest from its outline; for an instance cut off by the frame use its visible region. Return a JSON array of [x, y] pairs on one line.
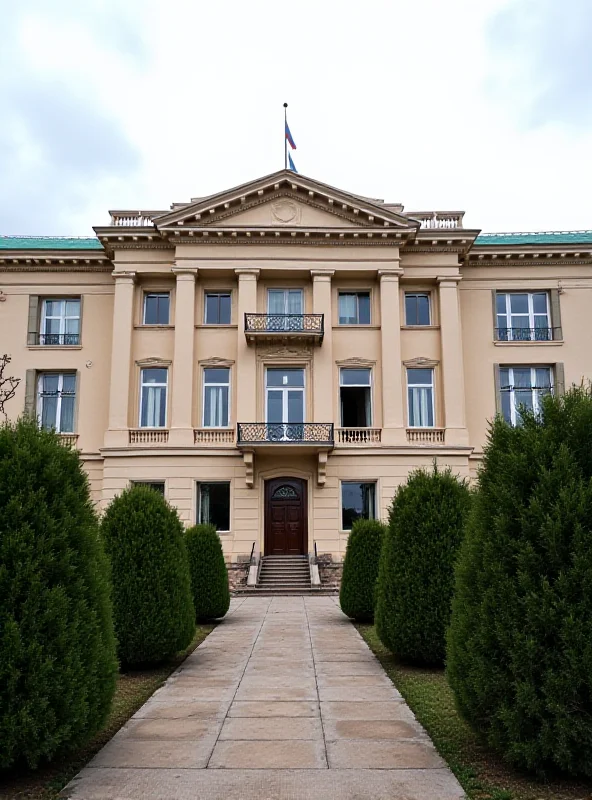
[[527, 334], [55, 339], [285, 433], [312, 324]]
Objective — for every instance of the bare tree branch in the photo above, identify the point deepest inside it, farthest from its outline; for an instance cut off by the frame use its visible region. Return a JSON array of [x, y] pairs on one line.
[[8, 384]]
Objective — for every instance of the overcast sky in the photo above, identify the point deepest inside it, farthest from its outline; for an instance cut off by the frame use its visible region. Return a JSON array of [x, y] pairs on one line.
[[476, 105]]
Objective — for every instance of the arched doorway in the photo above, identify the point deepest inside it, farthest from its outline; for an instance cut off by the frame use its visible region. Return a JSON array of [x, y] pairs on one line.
[[285, 517]]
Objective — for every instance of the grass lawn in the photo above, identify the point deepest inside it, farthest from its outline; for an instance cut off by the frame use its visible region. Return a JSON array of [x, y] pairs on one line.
[[133, 689], [480, 771]]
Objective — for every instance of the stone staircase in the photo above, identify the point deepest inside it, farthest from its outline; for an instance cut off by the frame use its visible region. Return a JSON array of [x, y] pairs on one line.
[[284, 575]]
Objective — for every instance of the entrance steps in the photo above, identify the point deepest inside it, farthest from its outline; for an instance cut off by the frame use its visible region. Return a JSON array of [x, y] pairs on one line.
[[284, 575]]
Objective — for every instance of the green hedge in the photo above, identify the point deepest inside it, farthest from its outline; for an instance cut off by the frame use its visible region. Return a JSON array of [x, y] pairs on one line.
[[416, 575], [520, 641], [357, 595], [209, 576], [152, 606], [57, 650]]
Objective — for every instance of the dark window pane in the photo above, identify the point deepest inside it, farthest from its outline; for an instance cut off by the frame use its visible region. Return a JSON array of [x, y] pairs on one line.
[[216, 375], [358, 500], [364, 309], [539, 303], [214, 505], [156, 309], [212, 309], [218, 309], [224, 309], [417, 309], [158, 486], [355, 377], [285, 377]]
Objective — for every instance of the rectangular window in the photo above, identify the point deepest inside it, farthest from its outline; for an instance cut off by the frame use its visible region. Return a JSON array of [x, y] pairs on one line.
[[523, 317], [216, 397], [355, 392], [56, 395], [158, 486], [60, 321], [153, 397], [523, 388], [284, 404], [420, 397], [417, 309], [213, 505], [358, 501], [218, 308], [156, 308], [287, 308], [354, 308]]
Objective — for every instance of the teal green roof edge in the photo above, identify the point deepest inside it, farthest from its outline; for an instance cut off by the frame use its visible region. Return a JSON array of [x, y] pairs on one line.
[[541, 237], [50, 243]]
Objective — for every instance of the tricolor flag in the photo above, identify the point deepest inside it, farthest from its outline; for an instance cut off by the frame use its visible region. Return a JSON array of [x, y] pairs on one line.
[[291, 163], [289, 138]]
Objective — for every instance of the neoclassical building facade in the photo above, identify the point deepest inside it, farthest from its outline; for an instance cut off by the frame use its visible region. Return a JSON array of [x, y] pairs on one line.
[[277, 357]]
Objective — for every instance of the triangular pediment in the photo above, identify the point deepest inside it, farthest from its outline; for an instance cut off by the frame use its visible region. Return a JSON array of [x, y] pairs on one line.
[[283, 199]]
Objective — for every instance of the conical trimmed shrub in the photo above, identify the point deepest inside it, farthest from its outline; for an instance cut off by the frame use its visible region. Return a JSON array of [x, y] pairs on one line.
[[57, 650], [209, 576], [357, 594], [416, 574], [520, 640], [152, 606]]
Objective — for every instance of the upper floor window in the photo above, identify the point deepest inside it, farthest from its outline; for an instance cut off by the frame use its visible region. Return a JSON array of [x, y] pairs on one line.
[[60, 321], [56, 395], [420, 397], [417, 309], [523, 317], [355, 394], [217, 308], [522, 388], [285, 301], [216, 397], [153, 397], [157, 308], [354, 308]]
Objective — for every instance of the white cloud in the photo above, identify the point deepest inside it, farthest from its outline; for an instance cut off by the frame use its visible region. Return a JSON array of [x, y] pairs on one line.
[[405, 101]]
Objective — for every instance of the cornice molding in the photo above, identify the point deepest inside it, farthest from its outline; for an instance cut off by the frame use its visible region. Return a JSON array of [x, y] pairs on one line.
[[215, 361], [355, 361], [421, 361], [154, 361]]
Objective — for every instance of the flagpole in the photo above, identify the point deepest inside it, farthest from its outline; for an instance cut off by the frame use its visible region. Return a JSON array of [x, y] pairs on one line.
[[285, 137]]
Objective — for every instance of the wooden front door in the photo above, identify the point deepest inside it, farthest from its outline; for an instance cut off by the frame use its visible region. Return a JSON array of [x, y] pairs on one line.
[[285, 517]]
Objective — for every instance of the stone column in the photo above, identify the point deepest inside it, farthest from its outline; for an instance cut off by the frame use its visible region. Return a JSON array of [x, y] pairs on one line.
[[393, 419], [181, 419], [246, 361], [121, 360], [453, 376], [323, 390]]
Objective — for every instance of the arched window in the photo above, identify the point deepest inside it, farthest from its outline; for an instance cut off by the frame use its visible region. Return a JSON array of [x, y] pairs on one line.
[[285, 493]]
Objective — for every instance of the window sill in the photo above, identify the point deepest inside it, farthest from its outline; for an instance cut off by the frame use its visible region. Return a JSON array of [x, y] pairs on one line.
[[357, 327], [54, 347], [420, 327], [554, 343], [230, 326], [154, 327]]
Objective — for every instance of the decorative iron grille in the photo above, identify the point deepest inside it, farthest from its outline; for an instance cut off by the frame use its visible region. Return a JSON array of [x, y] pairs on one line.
[[56, 339], [284, 323], [285, 432], [526, 334]]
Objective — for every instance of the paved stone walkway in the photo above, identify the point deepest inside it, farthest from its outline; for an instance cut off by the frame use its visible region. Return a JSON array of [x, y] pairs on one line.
[[283, 701]]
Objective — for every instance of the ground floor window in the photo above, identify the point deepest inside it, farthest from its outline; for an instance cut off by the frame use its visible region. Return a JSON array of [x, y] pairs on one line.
[[213, 504], [158, 486], [358, 500]]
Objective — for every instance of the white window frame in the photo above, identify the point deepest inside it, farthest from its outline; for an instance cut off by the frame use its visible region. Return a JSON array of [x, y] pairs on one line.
[[431, 386], [218, 294], [429, 299], [530, 314], [285, 292], [62, 316], [356, 293], [535, 393], [203, 400], [369, 385], [198, 518], [163, 293], [285, 390], [373, 481], [60, 376], [166, 398]]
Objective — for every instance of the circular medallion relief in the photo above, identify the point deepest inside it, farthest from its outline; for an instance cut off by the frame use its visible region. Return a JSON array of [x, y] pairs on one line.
[[284, 211]]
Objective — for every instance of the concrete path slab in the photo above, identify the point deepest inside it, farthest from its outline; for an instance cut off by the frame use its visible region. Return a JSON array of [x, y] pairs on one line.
[[282, 701]]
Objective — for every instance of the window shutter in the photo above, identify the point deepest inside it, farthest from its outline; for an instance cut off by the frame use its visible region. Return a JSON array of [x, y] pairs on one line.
[[30, 381], [498, 389], [559, 378], [556, 314], [33, 324], [494, 307]]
